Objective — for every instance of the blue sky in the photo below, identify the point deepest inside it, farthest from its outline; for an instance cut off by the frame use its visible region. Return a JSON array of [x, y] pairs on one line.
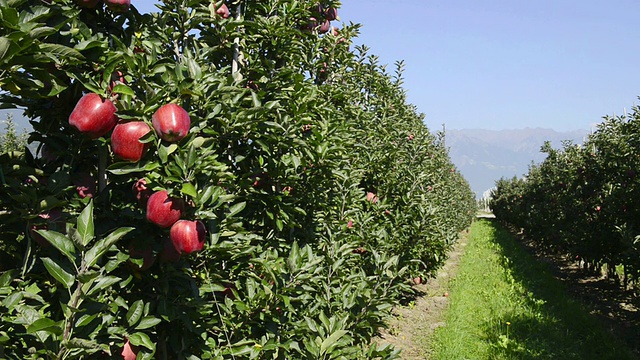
[[560, 64], [504, 64]]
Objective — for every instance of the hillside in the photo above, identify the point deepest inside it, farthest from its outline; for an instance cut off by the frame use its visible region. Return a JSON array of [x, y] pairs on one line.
[[484, 156]]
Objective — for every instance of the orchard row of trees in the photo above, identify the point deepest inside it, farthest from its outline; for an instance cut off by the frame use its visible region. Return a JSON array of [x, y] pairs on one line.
[[312, 190], [11, 139], [582, 199]]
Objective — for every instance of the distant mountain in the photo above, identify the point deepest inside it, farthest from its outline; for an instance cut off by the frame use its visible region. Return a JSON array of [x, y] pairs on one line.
[[484, 156]]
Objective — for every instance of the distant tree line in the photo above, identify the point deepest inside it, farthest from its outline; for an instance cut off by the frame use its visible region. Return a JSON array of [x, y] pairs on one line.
[[10, 139]]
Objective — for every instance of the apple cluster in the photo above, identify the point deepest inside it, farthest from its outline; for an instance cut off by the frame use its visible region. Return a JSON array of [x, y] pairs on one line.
[[95, 116], [323, 16]]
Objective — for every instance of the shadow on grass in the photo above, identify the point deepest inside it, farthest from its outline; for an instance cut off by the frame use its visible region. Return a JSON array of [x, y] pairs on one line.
[[553, 326]]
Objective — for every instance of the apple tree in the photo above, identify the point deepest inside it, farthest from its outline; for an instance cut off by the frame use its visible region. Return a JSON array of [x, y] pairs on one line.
[[200, 185]]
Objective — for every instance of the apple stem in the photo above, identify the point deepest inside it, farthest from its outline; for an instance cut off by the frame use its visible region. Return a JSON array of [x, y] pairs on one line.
[[102, 167]]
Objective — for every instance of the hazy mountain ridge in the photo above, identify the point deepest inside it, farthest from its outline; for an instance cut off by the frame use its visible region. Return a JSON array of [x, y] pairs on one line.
[[484, 156]]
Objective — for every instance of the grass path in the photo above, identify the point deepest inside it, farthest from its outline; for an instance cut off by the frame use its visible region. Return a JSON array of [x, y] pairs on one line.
[[506, 305], [502, 304]]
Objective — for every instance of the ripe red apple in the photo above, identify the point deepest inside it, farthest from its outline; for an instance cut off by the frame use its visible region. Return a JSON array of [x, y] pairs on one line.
[[117, 77], [163, 210], [90, 4], [188, 236], [310, 25], [86, 185], [169, 252], [171, 122], [129, 352], [93, 115], [125, 140], [331, 14], [223, 11], [137, 252], [141, 191], [324, 28], [47, 154], [118, 6]]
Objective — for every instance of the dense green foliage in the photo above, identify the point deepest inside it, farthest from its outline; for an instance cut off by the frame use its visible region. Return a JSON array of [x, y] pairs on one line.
[[290, 131], [581, 199]]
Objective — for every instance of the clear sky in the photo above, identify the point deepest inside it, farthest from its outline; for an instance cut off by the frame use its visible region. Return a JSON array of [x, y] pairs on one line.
[[503, 64]]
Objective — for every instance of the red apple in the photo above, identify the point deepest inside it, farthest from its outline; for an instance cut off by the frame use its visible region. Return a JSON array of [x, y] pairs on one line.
[[163, 210], [129, 352], [324, 28], [141, 191], [371, 197], [311, 24], [223, 11], [331, 14], [118, 6], [188, 236], [47, 154], [117, 77], [85, 185], [125, 140], [90, 4], [137, 252], [171, 122], [169, 252], [93, 115]]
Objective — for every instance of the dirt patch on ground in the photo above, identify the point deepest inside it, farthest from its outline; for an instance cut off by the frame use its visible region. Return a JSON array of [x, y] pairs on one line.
[[413, 323]]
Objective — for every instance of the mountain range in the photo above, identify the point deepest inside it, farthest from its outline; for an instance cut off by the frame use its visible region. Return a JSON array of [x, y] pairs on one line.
[[485, 156]]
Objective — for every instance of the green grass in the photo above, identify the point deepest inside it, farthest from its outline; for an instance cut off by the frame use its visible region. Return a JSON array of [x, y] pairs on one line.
[[506, 305]]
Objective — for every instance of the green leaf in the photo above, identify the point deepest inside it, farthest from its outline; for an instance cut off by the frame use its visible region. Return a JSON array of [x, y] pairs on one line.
[[192, 156], [142, 339], [44, 324], [233, 210], [60, 242], [57, 51], [148, 322], [88, 44], [42, 31], [123, 168], [189, 189], [331, 340], [123, 89], [85, 320], [58, 273], [165, 150], [135, 312], [4, 48], [85, 224], [101, 247], [103, 283]]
